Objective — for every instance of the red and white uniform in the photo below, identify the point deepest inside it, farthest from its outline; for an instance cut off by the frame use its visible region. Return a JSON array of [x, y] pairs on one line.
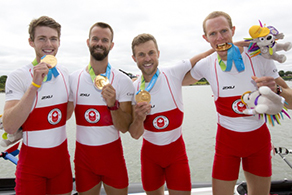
[[228, 88], [95, 129], [44, 132], [163, 130]]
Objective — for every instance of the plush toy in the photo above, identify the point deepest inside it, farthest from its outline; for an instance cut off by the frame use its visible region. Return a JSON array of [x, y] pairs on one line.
[[266, 103], [8, 139], [263, 42]]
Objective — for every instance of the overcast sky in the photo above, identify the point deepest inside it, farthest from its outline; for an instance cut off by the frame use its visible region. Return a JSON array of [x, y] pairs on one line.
[[177, 26]]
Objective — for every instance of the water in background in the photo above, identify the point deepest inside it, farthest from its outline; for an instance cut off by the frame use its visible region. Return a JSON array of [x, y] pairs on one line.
[[199, 130]]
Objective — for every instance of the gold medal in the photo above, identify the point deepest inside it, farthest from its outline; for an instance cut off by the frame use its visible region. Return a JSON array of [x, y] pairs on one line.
[[100, 81], [50, 59], [223, 47], [143, 96]]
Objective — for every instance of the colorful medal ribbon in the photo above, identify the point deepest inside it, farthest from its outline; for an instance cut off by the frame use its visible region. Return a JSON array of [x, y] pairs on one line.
[[52, 71], [234, 55], [106, 74], [151, 84]]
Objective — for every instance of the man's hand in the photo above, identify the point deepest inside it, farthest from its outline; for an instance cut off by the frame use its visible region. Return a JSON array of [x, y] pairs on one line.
[[266, 81]]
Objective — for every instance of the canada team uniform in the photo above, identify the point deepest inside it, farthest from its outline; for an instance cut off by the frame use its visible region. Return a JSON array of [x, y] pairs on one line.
[[238, 135], [44, 161], [99, 154], [163, 153]]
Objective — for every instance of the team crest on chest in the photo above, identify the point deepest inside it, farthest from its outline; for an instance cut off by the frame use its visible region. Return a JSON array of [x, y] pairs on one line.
[[92, 115], [238, 106], [160, 122], [55, 116]]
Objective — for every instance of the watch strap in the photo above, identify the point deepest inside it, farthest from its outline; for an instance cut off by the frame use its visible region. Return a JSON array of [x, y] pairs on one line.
[[115, 107]]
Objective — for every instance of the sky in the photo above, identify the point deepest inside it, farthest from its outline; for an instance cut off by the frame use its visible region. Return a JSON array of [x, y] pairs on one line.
[[177, 26]]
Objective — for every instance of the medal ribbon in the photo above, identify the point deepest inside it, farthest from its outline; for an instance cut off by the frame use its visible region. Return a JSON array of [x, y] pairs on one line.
[[234, 55], [106, 74], [151, 84], [52, 71]]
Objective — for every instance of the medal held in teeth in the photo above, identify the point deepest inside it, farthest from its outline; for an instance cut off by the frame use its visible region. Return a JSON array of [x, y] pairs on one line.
[[223, 47], [143, 96], [50, 59], [100, 81]]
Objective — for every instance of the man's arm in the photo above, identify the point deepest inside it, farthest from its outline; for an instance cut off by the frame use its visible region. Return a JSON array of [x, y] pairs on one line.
[[70, 109], [122, 117], [16, 111], [140, 111], [200, 56], [272, 84], [286, 91], [188, 79]]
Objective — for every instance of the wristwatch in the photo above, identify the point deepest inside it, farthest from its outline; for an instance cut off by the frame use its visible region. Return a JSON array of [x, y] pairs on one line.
[[279, 89], [115, 107]]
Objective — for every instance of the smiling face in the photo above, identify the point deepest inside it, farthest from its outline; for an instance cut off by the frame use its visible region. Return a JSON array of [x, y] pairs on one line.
[[100, 42], [146, 56], [218, 34], [46, 41]]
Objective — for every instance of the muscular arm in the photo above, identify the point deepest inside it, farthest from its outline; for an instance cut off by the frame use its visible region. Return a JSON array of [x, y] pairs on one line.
[[122, 117], [286, 92], [140, 111], [16, 111], [188, 79]]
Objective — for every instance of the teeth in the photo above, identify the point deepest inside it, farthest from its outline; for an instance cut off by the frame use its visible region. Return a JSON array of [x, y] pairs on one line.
[[223, 47], [222, 44], [48, 51], [147, 65]]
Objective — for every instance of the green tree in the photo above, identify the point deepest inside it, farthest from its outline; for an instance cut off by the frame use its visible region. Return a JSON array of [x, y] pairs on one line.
[[281, 73], [2, 82]]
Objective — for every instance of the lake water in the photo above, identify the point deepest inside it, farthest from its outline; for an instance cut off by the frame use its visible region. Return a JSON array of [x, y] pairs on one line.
[[199, 130]]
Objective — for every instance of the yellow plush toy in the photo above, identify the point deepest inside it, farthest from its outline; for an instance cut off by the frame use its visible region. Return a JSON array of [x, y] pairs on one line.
[[263, 42]]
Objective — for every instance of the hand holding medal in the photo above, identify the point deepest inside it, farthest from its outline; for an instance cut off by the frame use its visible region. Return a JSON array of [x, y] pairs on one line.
[[143, 96], [49, 59], [52, 60], [100, 81]]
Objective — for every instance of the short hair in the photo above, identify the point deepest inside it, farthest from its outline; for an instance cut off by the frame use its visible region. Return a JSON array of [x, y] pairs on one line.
[[43, 21], [143, 38], [102, 25], [216, 14]]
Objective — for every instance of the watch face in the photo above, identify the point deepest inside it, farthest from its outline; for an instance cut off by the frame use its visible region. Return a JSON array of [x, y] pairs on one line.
[[279, 89]]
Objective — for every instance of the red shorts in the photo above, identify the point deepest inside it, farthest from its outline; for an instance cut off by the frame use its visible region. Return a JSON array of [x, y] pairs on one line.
[[165, 163], [105, 163], [44, 171], [253, 148]]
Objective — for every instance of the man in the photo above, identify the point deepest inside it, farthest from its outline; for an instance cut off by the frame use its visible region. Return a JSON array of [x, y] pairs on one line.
[[36, 100], [239, 137], [158, 115], [102, 99]]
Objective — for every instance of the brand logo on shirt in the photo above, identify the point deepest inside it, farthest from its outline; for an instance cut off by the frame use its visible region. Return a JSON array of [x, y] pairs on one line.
[[47, 97], [9, 92], [84, 94], [92, 115], [55, 116], [228, 87], [238, 106], [160, 122]]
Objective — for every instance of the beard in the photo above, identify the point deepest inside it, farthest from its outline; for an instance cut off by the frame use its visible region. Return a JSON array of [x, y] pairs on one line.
[[97, 55]]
